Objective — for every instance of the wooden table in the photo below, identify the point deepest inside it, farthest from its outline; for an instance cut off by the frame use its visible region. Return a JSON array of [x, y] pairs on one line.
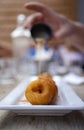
[[12, 121]]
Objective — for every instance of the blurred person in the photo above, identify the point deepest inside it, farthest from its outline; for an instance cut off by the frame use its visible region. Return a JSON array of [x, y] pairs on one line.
[[62, 27]]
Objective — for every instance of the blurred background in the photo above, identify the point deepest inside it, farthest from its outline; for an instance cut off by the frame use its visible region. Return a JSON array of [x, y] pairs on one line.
[[18, 52], [10, 9]]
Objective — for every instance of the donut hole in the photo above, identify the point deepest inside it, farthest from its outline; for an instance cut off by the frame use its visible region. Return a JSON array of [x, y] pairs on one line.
[[38, 89]]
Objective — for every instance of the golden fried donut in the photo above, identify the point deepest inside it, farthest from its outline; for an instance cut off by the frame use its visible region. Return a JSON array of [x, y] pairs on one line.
[[44, 76], [38, 92], [48, 78], [43, 91], [55, 95], [54, 91]]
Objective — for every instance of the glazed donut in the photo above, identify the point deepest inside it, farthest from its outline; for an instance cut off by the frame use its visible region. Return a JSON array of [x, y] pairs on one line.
[[42, 91], [54, 90], [38, 92], [55, 95], [48, 77]]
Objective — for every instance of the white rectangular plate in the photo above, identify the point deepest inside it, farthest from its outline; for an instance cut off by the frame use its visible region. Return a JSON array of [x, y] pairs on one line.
[[67, 101]]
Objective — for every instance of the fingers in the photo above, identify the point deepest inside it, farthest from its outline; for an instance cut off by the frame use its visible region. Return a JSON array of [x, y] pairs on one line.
[[32, 19], [36, 6], [61, 33], [64, 32]]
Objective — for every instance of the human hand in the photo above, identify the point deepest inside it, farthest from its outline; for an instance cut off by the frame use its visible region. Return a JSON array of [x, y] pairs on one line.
[[61, 26]]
